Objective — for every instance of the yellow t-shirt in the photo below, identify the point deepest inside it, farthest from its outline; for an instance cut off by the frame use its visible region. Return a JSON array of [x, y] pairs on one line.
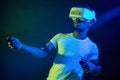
[[70, 51]]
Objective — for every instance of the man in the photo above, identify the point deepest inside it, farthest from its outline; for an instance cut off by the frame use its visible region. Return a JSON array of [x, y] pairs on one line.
[[77, 54]]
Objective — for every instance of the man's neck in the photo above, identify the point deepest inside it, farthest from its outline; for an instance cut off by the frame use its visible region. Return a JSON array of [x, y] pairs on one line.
[[80, 35]]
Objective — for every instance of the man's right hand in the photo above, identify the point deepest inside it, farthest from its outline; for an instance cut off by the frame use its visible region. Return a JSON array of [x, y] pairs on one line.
[[14, 43]]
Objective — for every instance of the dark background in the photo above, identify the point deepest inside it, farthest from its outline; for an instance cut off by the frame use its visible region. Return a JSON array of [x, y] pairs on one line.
[[35, 22]]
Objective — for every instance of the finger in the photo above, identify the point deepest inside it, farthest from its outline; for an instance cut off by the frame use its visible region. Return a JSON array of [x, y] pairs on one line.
[[86, 70], [8, 37], [11, 47], [14, 41], [9, 43], [16, 46]]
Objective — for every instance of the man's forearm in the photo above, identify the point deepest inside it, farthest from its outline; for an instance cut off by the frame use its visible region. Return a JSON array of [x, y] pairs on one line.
[[34, 50]]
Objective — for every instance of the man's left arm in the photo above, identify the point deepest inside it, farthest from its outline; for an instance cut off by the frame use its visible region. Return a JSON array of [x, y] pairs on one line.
[[91, 66]]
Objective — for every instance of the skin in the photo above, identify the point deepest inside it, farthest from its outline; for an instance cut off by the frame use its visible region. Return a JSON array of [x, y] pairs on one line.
[[81, 28], [80, 32]]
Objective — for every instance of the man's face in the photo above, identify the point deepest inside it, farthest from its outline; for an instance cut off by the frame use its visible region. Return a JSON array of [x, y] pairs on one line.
[[80, 24]]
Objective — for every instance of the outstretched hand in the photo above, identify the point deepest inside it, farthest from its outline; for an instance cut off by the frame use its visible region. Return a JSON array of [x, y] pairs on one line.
[[14, 43]]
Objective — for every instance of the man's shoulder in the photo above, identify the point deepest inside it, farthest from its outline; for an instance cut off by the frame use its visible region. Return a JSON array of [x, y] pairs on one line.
[[92, 42], [63, 35]]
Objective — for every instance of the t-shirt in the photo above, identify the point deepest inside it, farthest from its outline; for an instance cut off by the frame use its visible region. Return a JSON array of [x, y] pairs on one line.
[[70, 51]]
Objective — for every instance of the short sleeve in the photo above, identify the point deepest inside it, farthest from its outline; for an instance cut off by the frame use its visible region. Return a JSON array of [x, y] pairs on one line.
[[55, 39]]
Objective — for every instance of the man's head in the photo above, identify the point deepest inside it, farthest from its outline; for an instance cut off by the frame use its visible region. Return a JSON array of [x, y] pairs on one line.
[[82, 17]]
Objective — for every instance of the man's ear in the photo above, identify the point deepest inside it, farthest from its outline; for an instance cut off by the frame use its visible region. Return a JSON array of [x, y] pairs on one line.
[[91, 23]]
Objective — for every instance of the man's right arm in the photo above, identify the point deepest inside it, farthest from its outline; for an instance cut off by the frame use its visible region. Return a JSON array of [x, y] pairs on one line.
[[14, 43]]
